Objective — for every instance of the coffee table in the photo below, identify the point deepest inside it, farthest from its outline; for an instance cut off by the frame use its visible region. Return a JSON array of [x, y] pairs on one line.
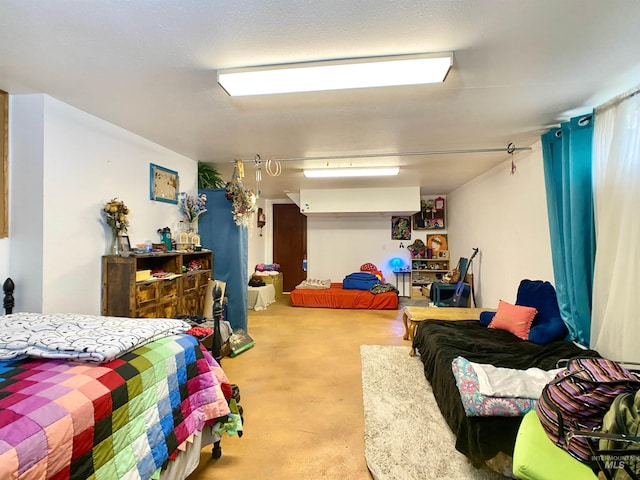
[[411, 316]]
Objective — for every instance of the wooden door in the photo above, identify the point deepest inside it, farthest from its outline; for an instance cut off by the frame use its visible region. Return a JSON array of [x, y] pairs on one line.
[[289, 243]]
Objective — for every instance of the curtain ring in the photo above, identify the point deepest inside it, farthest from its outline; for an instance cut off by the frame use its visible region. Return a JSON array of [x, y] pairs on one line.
[[584, 121]]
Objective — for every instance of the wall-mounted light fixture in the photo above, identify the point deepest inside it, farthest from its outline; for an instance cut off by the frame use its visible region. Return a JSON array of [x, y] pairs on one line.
[[350, 172], [341, 74]]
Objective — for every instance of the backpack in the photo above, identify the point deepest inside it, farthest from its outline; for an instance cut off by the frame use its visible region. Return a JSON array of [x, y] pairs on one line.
[[621, 458], [577, 400]]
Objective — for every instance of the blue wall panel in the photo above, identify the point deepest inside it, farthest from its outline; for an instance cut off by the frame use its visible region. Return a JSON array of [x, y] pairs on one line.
[[219, 233]]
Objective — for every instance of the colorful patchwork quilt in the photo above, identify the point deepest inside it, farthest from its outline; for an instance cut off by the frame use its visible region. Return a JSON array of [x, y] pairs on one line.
[[72, 336], [121, 419]]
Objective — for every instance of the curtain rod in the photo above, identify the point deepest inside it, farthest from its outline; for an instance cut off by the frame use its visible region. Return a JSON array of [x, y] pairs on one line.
[[619, 99], [398, 154]]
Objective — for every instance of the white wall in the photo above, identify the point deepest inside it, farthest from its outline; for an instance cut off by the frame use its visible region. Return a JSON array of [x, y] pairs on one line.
[[4, 258], [505, 216], [85, 162], [261, 247], [337, 246], [26, 154], [257, 239]]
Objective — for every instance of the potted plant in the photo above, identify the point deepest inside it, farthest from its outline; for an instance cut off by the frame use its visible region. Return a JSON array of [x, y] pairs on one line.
[[209, 177]]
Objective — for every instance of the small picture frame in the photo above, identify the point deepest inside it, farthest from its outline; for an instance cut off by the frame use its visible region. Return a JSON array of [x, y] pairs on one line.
[[163, 184], [443, 254], [400, 228], [125, 245]]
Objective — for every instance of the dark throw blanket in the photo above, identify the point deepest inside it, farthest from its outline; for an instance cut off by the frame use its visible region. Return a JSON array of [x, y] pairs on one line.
[[440, 341]]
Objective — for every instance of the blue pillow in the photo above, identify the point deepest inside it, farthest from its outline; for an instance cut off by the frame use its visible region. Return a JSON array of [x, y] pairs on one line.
[[547, 325], [552, 329], [486, 317]]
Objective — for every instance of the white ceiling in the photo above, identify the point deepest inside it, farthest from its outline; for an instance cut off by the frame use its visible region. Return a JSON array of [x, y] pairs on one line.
[[150, 67]]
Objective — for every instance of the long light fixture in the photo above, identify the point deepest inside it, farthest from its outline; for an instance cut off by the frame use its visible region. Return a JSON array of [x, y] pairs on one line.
[[337, 74], [351, 172]]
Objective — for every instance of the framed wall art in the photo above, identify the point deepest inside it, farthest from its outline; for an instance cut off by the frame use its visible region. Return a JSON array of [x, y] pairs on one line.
[[400, 228], [431, 215], [437, 243], [163, 184], [420, 218]]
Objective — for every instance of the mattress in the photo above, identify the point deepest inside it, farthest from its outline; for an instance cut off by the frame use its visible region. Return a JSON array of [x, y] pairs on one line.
[[336, 297], [439, 341]]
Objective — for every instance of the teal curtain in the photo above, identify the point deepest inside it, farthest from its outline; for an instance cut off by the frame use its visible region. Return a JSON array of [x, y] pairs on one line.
[[567, 154]]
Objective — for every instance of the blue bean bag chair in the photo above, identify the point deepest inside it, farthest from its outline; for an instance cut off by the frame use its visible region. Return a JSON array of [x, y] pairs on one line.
[[547, 325]]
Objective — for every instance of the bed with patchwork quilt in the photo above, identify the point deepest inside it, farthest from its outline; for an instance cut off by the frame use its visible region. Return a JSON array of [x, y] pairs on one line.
[[103, 397]]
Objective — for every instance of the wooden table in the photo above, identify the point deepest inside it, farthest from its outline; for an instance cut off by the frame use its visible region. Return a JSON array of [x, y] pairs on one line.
[[411, 316]]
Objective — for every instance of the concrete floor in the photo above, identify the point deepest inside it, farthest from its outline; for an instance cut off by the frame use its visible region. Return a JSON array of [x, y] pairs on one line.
[[302, 395]]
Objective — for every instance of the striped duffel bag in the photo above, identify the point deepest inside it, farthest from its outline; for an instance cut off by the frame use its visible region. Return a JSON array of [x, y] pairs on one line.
[[577, 399]]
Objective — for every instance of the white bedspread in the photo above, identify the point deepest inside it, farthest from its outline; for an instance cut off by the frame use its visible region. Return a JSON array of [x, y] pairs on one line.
[[79, 337], [508, 382], [259, 298], [315, 283]]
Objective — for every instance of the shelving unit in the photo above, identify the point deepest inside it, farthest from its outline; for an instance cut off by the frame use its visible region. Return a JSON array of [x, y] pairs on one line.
[[424, 271], [128, 292]]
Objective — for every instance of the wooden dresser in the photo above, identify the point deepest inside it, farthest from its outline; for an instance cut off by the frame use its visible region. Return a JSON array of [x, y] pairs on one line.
[[127, 290]]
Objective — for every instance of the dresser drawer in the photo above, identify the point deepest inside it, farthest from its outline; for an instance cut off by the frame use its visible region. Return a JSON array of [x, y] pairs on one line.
[[167, 289], [150, 311], [191, 304], [168, 309], [189, 283], [146, 293]]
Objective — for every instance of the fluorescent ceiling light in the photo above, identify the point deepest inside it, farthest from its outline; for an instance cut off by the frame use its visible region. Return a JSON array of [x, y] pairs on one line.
[[337, 74], [350, 172]]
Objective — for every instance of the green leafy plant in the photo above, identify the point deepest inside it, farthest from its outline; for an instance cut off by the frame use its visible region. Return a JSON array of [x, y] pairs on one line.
[[209, 177]]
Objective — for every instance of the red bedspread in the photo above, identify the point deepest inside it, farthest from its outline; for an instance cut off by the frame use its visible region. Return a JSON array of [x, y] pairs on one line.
[[336, 297]]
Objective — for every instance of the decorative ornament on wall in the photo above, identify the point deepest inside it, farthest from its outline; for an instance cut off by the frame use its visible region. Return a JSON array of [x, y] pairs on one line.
[[243, 199], [262, 220], [510, 149]]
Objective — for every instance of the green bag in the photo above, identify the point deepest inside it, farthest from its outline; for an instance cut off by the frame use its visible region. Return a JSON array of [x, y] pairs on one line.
[[622, 419]]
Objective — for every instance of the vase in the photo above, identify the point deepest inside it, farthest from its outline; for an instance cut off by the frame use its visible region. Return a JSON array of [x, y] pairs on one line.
[[114, 248], [194, 237]]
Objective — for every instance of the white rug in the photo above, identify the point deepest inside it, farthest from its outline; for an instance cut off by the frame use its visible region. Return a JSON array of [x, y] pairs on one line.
[[406, 437]]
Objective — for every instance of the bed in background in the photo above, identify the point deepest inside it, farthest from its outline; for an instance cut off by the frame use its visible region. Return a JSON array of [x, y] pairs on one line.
[[337, 297], [134, 399]]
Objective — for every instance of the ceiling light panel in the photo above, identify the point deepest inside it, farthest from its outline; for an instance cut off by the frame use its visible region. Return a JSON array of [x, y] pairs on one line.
[[337, 75]]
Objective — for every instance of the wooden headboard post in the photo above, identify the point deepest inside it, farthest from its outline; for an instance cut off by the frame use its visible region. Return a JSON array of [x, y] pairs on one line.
[[8, 286]]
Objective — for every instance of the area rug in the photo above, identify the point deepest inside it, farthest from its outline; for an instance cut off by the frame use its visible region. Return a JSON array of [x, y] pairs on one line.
[[406, 436]]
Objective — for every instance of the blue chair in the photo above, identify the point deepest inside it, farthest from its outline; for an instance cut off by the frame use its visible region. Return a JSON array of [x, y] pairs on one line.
[[441, 293]]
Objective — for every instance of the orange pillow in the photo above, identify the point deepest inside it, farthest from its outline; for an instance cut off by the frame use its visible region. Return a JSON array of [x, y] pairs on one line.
[[516, 319]]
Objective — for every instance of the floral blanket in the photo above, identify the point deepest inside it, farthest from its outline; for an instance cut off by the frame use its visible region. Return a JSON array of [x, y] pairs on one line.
[[79, 337]]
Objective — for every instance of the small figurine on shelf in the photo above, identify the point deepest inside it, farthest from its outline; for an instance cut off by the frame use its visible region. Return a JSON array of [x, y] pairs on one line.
[[193, 265], [417, 249], [165, 234]]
